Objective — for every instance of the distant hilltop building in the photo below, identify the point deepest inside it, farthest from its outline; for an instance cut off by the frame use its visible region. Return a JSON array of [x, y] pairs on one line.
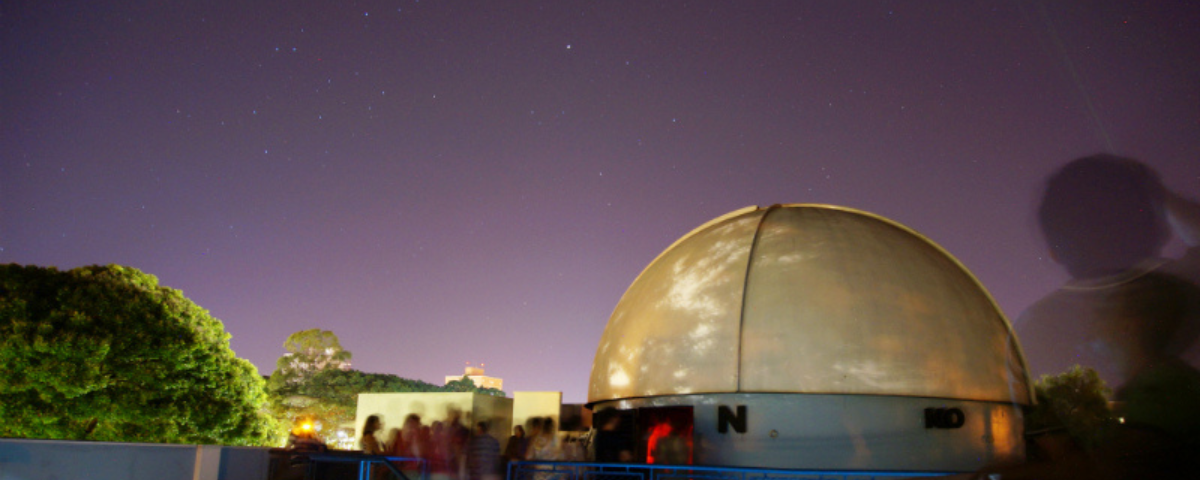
[[476, 375]]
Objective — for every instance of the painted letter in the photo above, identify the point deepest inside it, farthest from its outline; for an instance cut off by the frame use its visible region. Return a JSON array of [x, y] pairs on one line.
[[726, 418]]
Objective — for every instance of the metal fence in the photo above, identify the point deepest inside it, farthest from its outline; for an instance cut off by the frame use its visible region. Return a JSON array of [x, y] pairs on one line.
[[347, 466], [337, 466], [615, 471]]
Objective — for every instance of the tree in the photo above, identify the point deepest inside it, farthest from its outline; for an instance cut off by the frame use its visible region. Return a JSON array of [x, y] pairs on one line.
[[308, 352], [313, 382], [1075, 401], [105, 353]]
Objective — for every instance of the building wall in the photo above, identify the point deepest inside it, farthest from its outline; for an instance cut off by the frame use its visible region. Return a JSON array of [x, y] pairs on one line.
[[56, 459], [845, 432], [480, 381], [434, 406], [527, 405], [487, 382], [497, 411]]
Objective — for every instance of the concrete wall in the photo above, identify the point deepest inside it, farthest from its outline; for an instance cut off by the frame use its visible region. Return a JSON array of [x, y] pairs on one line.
[[434, 406], [22, 459], [536, 404], [846, 432], [497, 411]]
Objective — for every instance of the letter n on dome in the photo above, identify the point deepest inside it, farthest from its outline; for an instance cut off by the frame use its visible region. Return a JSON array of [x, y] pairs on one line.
[[726, 419]]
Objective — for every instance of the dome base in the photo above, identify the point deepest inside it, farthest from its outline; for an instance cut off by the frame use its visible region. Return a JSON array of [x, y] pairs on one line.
[[835, 432]]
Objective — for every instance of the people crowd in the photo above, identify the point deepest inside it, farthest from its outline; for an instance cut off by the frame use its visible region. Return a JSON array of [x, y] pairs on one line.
[[452, 450]]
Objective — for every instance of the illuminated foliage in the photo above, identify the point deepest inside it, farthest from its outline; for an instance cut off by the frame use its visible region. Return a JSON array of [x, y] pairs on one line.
[[308, 353], [331, 396], [1074, 402], [465, 384], [328, 394], [105, 353]]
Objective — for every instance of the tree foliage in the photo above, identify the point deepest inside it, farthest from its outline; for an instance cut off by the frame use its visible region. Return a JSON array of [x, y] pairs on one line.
[[328, 393], [331, 396], [465, 384], [105, 353], [307, 353], [1075, 401]]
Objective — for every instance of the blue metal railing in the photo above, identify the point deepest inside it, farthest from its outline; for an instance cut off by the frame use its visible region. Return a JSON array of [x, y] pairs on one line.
[[622, 471], [538, 470], [366, 463]]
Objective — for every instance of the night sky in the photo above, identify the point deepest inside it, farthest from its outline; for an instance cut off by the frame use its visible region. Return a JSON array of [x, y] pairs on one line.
[[444, 182]]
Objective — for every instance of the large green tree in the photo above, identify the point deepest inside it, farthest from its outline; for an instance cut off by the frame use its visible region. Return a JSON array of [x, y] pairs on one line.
[[106, 353]]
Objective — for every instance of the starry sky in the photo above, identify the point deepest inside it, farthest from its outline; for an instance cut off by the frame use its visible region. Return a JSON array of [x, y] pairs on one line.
[[444, 182]]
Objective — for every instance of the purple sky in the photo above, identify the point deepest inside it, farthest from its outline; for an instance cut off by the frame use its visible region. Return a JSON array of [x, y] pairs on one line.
[[448, 182]]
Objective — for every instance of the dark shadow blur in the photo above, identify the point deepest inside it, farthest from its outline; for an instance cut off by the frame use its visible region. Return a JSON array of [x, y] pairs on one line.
[[612, 442], [514, 449], [1126, 312]]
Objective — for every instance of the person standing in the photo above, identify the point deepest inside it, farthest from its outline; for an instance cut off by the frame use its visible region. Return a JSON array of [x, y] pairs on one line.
[[545, 445], [483, 454], [514, 450], [368, 443]]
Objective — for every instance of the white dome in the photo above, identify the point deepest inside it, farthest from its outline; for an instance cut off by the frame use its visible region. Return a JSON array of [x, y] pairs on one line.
[[808, 299]]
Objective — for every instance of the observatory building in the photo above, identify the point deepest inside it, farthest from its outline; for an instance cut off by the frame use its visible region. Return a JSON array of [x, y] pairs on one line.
[[813, 337]]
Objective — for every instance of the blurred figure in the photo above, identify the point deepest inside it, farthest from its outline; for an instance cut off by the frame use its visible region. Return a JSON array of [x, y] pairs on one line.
[[671, 448], [425, 442], [573, 448], [1106, 220], [394, 446], [514, 450], [458, 435], [407, 443], [368, 443], [611, 444], [410, 434], [534, 425], [544, 445], [439, 449], [483, 454], [1126, 312]]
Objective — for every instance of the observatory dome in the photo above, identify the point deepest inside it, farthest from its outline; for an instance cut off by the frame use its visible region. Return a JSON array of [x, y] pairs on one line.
[[808, 299]]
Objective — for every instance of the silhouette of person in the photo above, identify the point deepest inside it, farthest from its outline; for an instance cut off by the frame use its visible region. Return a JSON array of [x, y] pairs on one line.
[[483, 454], [368, 443], [514, 450], [1106, 220], [612, 445], [544, 444], [1126, 312]]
